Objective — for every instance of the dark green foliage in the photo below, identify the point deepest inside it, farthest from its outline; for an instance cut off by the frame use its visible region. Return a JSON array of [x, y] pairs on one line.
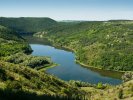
[[11, 43], [28, 60], [120, 94], [36, 62], [15, 85], [27, 24], [8, 49], [2, 74], [8, 94]]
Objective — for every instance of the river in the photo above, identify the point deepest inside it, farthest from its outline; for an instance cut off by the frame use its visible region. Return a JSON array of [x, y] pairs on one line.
[[67, 68]]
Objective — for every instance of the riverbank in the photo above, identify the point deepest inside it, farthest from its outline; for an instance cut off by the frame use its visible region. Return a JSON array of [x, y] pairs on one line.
[[47, 67], [68, 69], [85, 65], [77, 61]]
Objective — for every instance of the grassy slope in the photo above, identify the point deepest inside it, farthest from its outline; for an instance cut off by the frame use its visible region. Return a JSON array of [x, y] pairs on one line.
[[32, 80], [98, 44], [19, 80], [123, 91]]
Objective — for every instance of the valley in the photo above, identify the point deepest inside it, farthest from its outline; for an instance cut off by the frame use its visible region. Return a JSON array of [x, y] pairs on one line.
[[67, 66], [104, 47]]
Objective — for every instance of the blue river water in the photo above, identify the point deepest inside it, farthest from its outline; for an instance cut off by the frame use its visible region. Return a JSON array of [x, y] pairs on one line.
[[68, 69]]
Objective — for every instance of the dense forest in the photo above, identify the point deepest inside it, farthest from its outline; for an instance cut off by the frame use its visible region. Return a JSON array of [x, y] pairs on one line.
[[106, 45], [27, 24]]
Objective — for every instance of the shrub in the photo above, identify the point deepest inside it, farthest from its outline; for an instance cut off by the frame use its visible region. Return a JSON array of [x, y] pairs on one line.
[[127, 76], [14, 85], [120, 95], [2, 74], [100, 86]]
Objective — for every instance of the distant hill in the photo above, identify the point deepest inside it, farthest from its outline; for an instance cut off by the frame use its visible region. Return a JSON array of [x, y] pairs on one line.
[[28, 24]]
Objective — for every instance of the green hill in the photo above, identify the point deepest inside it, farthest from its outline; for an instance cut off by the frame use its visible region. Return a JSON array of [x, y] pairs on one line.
[[27, 24], [20, 77], [105, 45]]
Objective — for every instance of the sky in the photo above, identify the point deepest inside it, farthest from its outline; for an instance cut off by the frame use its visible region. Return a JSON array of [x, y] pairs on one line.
[[68, 9]]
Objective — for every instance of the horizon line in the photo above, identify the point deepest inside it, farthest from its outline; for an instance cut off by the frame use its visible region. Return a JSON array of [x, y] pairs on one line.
[[67, 19]]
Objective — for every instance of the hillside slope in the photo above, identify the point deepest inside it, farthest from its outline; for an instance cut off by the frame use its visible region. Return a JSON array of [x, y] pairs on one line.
[[123, 91], [27, 24], [105, 45], [20, 79]]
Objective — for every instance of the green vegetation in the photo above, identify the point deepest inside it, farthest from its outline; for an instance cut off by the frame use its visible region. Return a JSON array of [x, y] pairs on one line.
[[28, 60], [11, 43], [104, 45], [123, 91], [120, 95], [27, 24], [15, 78], [18, 79], [100, 85]]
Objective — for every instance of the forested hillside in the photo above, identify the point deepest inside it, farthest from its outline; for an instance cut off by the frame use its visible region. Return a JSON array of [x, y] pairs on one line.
[[11, 42], [20, 77], [105, 45], [27, 24]]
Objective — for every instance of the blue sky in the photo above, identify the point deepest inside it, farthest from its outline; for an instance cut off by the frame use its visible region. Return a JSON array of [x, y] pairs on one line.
[[68, 9]]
